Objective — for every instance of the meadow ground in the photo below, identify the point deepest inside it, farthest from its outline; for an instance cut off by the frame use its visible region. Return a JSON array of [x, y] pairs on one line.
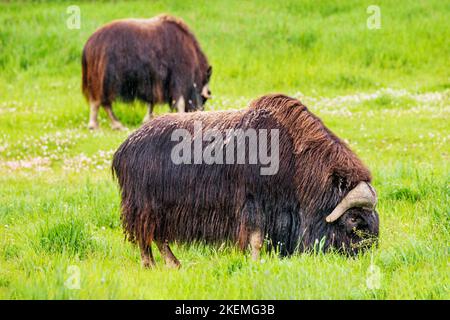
[[385, 91]]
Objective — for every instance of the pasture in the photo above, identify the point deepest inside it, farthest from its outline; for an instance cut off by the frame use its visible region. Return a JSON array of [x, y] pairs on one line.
[[385, 91]]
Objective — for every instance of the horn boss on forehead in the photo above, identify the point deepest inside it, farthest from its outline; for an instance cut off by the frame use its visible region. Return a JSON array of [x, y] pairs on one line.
[[362, 196]]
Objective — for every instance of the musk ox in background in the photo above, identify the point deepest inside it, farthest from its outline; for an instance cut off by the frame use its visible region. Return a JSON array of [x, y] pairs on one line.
[[154, 60], [321, 192]]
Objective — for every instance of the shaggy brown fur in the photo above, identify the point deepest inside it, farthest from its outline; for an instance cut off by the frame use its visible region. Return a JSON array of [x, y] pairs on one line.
[[154, 60], [162, 201]]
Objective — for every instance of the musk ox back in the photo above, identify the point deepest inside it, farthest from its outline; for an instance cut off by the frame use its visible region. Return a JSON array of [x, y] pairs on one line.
[[319, 192], [154, 60]]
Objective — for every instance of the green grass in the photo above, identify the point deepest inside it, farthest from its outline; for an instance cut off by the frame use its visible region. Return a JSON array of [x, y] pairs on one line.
[[385, 91]]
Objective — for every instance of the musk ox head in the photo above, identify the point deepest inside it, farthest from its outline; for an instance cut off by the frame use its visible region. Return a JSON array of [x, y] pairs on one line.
[[200, 92], [354, 221]]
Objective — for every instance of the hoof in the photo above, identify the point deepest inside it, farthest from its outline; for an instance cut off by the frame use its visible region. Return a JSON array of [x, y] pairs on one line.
[[147, 118], [118, 127], [173, 264], [93, 126], [148, 263]]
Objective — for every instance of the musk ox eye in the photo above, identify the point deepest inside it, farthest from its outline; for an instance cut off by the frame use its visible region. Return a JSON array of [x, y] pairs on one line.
[[353, 222]]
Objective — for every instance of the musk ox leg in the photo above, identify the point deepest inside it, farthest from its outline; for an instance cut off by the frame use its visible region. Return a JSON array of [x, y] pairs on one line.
[[147, 257], [180, 105], [149, 114], [256, 243], [115, 123], [251, 230], [167, 254], [93, 114]]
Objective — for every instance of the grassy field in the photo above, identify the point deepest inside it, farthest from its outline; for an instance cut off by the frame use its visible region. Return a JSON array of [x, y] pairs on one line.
[[386, 91]]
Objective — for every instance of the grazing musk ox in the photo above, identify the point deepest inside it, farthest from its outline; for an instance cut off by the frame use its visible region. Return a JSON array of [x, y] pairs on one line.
[[154, 60], [321, 192]]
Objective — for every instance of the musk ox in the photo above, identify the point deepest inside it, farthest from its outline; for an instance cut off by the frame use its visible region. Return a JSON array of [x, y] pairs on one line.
[[154, 60], [319, 196]]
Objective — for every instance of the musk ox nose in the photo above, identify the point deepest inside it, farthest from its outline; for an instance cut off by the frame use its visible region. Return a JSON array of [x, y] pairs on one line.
[[363, 244], [363, 239]]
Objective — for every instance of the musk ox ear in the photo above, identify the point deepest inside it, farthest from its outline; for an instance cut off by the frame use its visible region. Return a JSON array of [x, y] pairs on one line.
[[339, 182]]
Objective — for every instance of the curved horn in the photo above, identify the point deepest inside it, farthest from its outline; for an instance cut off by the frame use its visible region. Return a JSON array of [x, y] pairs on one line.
[[205, 92], [363, 195]]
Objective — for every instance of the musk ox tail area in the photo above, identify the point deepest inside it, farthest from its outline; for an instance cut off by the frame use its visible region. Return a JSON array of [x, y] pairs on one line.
[[129, 204]]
